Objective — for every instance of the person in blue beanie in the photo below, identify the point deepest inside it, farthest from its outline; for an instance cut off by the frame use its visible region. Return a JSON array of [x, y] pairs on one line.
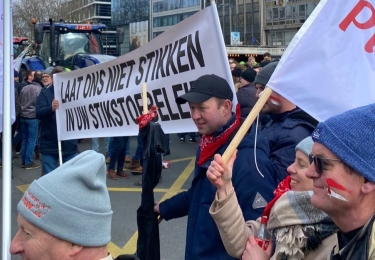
[[67, 213], [343, 173]]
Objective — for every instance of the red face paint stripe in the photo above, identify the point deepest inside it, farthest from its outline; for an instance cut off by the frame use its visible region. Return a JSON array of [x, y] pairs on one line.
[[333, 184], [275, 99]]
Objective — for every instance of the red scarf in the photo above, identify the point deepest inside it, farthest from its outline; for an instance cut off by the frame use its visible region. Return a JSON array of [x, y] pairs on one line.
[[210, 144], [145, 118], [283, 187]]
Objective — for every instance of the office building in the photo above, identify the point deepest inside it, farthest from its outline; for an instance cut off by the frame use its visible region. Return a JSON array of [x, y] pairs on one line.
[[82, 11], [131, 16], [283, 18]]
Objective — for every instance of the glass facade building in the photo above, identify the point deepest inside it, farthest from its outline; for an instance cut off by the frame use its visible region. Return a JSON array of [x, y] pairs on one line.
[[82, 11], [129, 11], [284, 18], [170, 5], [166, 13], [132, 16], [235, 16], [240, 16], [267, 23]]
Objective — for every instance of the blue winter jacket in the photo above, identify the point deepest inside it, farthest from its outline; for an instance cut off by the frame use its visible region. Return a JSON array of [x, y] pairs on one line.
[[48, 133], [202, 237], [282, 134]]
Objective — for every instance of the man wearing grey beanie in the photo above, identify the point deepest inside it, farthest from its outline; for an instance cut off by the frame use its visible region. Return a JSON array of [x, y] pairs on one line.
[[288, 126], [343, 173], [66, 214]]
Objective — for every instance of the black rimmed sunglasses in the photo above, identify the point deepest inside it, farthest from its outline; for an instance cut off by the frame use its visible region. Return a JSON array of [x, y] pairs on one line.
[[319, 162]]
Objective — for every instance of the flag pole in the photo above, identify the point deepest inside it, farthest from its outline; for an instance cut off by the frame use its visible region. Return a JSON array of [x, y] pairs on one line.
[[246, 124], [253, 113], [60, 152], [144, 98], [7, 148]]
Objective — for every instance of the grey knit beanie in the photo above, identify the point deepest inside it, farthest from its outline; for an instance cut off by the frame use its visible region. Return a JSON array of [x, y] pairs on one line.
[[265, 74], [72, 202], [305, 145], [348, 136], [48, 71]]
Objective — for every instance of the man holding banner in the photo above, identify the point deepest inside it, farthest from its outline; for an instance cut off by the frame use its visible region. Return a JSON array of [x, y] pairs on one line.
[[210, 100], [45, 111]]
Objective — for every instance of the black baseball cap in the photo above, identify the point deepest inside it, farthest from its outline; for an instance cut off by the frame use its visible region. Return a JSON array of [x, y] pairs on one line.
[[206, 87]]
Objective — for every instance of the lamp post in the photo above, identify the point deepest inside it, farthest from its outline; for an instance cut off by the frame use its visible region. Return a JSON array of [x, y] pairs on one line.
[[223, 7], [252, 21]]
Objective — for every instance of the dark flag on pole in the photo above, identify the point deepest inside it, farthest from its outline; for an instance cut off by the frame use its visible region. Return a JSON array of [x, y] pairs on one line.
[[153, 143], [253, 40]]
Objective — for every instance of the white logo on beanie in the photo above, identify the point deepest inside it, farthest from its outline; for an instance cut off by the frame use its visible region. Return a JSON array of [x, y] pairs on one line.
[[316, 134]]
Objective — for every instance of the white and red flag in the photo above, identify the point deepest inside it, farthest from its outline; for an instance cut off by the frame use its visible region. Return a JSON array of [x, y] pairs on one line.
[[329, 67]]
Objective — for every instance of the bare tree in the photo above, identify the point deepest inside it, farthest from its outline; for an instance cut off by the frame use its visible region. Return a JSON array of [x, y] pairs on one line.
[[41, 10]]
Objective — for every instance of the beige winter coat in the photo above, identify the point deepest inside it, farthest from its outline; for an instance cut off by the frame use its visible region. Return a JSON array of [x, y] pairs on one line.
[[234, 231]]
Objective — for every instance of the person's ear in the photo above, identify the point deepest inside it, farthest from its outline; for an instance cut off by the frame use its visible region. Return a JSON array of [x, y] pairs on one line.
[[74, 249], [367, 186], [228, 105]]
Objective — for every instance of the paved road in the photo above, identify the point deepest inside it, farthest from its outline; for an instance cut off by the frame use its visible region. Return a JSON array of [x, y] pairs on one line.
[[126, 198]]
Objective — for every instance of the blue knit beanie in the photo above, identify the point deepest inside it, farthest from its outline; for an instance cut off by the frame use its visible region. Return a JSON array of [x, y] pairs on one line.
[[72, 202], [349, 137]]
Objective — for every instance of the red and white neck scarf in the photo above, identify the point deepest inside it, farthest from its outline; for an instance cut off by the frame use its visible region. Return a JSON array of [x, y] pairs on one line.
[[209, 144]]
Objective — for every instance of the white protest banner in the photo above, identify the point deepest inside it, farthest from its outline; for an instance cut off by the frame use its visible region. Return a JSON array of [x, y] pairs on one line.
[[105, 99], [329, 67]]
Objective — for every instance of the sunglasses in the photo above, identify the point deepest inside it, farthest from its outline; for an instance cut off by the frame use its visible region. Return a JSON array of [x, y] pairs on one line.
[[319, 162]]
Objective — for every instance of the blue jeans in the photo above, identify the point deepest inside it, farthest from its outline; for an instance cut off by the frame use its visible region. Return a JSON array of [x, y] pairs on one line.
[[139, 151], [167, 141], [118, 152], [29, 128], [17, 138], [95, 144], [49, 162], [110, 147], [127, 151]]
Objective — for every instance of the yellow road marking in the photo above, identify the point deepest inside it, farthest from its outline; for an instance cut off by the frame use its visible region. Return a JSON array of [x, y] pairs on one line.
[[23, 188], [182, 159], [140, 189], [131, 246]]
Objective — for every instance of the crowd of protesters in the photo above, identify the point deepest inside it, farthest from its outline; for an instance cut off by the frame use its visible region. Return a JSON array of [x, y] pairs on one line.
[[322, 176], [314, 183]]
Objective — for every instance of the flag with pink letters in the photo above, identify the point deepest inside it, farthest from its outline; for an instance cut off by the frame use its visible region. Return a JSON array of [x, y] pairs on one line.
[[329, 67]]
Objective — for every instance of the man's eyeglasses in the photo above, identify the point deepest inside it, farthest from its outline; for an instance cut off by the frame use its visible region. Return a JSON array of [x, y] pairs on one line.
[[45, 77], [319, 162]]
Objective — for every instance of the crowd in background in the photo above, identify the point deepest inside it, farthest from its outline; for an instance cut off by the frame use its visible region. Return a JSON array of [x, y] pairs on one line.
[[311, 184]]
